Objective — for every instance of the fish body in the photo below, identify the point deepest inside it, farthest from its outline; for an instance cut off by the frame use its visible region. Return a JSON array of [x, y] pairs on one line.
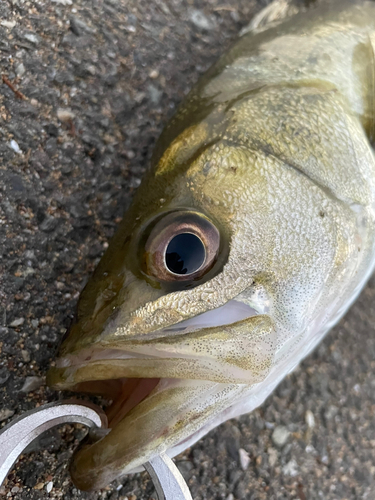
[[250, 236]]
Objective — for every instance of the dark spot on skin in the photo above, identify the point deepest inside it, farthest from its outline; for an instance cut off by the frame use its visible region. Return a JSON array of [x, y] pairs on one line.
[[206, 168], [312, 60]]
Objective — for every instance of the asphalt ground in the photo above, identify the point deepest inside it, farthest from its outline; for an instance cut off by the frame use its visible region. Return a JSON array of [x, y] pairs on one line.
[[96, 82]]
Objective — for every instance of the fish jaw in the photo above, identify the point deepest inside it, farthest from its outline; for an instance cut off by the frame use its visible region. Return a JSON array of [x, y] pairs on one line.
[[172, 413], [165, 392], [240, 352]]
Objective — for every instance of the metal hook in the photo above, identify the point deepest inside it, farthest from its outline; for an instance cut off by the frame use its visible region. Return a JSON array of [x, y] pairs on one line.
[[167, 479], [18, 434]]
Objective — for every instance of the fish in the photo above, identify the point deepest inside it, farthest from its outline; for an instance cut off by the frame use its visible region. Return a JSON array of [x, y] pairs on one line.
[[251, 234]]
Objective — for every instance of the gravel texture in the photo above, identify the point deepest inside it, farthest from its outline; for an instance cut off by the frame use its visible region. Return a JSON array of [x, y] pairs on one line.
[[100, 78]]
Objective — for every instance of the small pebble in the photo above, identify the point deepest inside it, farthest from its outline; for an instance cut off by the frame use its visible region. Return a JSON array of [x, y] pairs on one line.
[[310, 419], [32, 384], [14, 145], [280, 435], [154, 74], [155, 93], [29, 270], [39, 486], [310, 449], [20, 69], [5, 413], [17, 322], [244, 458], [49, 487], [8, 24], [291, 468], [25, 356], [91, 69], [4, 375], [272, 456], [77, 26], [200, 20], [49, 224], [65, 115], [31, 38], [130, 154]]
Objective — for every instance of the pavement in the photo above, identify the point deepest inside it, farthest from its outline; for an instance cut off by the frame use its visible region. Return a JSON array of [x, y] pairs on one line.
[[89, 86]]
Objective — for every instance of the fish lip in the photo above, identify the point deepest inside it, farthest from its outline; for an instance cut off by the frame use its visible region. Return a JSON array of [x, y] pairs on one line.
[[164, 439], [233, 311], [191, 349], [152, 428], [63, 377]]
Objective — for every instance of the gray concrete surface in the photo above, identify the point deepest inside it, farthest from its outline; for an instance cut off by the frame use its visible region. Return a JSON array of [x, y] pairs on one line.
[[100, 79]]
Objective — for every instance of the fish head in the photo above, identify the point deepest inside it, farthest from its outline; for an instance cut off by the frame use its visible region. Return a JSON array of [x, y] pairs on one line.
[[220, 261]]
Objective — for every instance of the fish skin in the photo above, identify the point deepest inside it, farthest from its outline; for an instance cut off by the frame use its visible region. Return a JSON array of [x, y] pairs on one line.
[[273, 145]]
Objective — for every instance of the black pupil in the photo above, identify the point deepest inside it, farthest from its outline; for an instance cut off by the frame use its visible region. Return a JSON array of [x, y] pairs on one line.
[[185, 254]]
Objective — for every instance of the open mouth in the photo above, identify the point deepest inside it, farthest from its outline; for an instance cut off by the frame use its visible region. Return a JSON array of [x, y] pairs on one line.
[[166, 391], [126, 392], [128, 373], [171, 417]]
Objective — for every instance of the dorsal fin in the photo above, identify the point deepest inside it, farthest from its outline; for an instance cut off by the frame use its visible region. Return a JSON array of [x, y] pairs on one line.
[[270, 16]]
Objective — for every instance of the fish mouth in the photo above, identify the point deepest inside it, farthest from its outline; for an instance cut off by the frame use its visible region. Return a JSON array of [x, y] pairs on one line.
[[203, 347], [163, 398], [168, 419]]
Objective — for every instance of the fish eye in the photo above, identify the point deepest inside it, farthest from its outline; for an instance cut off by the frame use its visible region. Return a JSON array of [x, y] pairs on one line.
[[185, 254], [182, 246]]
